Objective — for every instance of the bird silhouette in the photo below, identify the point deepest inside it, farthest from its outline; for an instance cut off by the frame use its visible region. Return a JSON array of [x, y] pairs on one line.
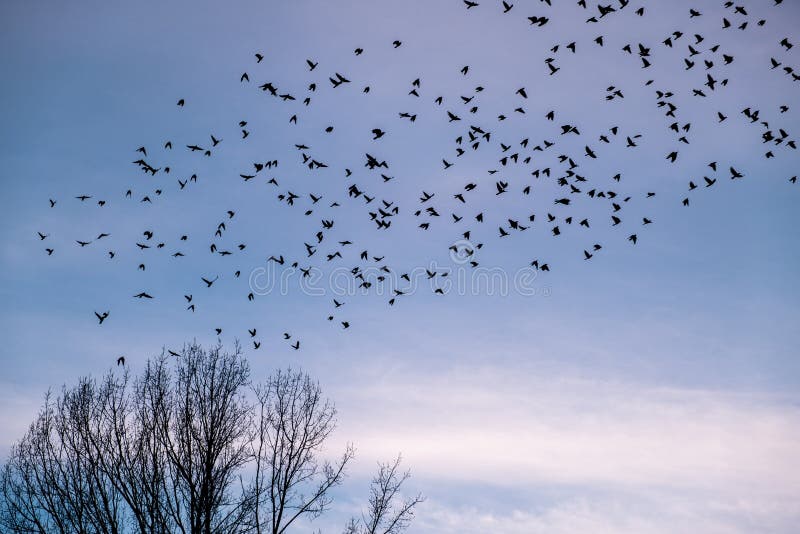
[[575, 168]]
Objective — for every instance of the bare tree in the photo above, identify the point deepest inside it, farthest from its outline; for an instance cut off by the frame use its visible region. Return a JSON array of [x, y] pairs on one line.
[[204, 433], [292, 423], [53, 481], [388, 511], [190, 446], [134, 456], [30, 491]]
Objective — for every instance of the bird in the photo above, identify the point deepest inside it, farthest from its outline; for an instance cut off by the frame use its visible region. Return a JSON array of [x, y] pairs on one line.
[[473, 130]]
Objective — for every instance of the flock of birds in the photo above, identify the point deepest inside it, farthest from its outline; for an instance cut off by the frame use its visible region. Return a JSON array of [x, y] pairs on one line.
[[361, 183]]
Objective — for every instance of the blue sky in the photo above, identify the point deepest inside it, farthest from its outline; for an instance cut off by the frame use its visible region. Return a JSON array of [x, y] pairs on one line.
[[653, 388]]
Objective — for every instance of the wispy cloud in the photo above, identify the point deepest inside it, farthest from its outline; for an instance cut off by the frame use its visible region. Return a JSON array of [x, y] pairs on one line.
[[635, 458], [647, 514]]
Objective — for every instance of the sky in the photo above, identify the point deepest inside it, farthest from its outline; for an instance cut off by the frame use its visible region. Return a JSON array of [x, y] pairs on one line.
[[653, 388]]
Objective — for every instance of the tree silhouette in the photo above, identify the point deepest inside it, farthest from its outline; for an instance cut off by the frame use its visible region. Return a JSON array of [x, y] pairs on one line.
[[190, 446]]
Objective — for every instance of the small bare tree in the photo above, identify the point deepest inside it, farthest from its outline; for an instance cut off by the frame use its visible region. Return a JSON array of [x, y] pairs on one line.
[[388, 511], [190, 446]]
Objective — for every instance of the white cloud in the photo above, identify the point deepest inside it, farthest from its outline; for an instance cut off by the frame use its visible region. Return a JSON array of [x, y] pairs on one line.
[[638, 515], [630, 456]]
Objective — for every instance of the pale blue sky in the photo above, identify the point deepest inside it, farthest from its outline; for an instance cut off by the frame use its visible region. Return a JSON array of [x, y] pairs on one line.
[[655, 385]]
